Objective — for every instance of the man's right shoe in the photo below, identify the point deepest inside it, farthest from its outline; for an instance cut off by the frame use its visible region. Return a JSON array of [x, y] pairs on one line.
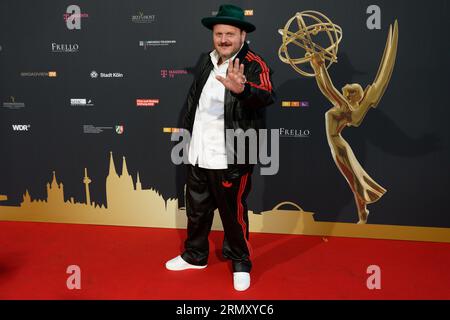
[[241, 281], [178, 264]]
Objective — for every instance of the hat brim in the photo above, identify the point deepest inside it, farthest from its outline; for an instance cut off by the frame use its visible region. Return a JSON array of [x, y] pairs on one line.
[[209, 22]]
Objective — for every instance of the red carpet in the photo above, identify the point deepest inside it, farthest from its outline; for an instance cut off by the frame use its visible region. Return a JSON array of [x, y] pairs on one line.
[[128, 263]]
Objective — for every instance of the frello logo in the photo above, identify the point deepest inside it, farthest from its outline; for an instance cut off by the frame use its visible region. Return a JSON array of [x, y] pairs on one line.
[[73, 17]]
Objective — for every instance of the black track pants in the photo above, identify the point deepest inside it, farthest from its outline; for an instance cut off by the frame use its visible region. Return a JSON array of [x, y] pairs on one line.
[[206, 190]]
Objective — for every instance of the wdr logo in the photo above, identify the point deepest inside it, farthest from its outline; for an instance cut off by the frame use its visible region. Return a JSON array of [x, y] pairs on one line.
[[21, 127]]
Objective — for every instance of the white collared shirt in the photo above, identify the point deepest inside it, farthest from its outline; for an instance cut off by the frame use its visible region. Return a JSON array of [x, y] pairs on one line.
[[207, 145]]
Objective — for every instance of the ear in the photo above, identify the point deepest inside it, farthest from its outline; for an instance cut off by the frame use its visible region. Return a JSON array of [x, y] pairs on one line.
[[243, 35]]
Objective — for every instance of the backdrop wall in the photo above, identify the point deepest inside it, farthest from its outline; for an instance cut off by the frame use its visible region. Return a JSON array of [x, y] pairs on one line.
[[89, 97]]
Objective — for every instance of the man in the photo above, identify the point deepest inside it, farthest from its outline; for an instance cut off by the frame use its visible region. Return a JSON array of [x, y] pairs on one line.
[[229, 91]]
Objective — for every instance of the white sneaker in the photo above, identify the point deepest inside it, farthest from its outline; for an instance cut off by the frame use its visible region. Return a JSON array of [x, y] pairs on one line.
[[178, 264], [241, 281]]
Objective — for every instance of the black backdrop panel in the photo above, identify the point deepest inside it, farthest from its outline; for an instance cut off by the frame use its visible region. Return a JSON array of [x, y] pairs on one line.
[[403, 144]]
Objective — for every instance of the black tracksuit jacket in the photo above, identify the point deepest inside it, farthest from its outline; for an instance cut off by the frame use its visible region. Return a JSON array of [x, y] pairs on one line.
[[241, 111]]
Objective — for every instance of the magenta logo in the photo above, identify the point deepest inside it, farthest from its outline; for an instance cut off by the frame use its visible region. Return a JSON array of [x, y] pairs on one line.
[[171, 73]]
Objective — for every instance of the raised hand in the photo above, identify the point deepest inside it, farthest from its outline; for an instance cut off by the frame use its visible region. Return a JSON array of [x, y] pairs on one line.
[[235, 79]]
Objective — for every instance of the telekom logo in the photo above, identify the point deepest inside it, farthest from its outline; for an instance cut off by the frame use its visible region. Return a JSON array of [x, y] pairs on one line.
[[171, 73]]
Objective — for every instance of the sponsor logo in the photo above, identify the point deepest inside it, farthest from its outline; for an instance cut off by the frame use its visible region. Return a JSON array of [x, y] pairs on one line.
[[94, 74], [89, 128], [247, 12], [119, 129], [49, 74], [294, 133], [21, 127], [13, 104], [171, 130], [156, 43], [294, 104], [171, 73], [82, 102], [143, 18], [146, 102], [65, 48]]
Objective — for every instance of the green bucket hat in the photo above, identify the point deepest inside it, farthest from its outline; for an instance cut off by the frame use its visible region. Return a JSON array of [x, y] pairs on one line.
[[229, 14]]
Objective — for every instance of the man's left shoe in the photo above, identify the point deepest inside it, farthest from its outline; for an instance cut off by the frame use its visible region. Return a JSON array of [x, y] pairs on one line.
[[178, 264], [241, 281]]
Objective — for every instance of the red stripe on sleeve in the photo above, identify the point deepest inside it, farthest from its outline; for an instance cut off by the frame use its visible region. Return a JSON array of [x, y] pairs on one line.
[[264, 75]]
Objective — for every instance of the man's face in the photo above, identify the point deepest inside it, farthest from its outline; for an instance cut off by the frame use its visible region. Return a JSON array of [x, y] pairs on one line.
[[227, 40]]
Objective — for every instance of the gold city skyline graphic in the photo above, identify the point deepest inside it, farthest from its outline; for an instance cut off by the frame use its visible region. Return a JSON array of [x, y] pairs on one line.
[[128, 204]]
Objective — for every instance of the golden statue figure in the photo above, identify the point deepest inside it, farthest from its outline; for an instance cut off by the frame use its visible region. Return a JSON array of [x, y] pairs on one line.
[[349, 107]]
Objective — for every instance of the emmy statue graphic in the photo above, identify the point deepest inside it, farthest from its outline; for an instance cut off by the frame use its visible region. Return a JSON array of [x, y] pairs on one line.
[[349, 107]]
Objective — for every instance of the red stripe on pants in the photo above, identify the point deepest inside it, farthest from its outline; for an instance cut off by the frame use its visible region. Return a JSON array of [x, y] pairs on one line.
[[241, 212]]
